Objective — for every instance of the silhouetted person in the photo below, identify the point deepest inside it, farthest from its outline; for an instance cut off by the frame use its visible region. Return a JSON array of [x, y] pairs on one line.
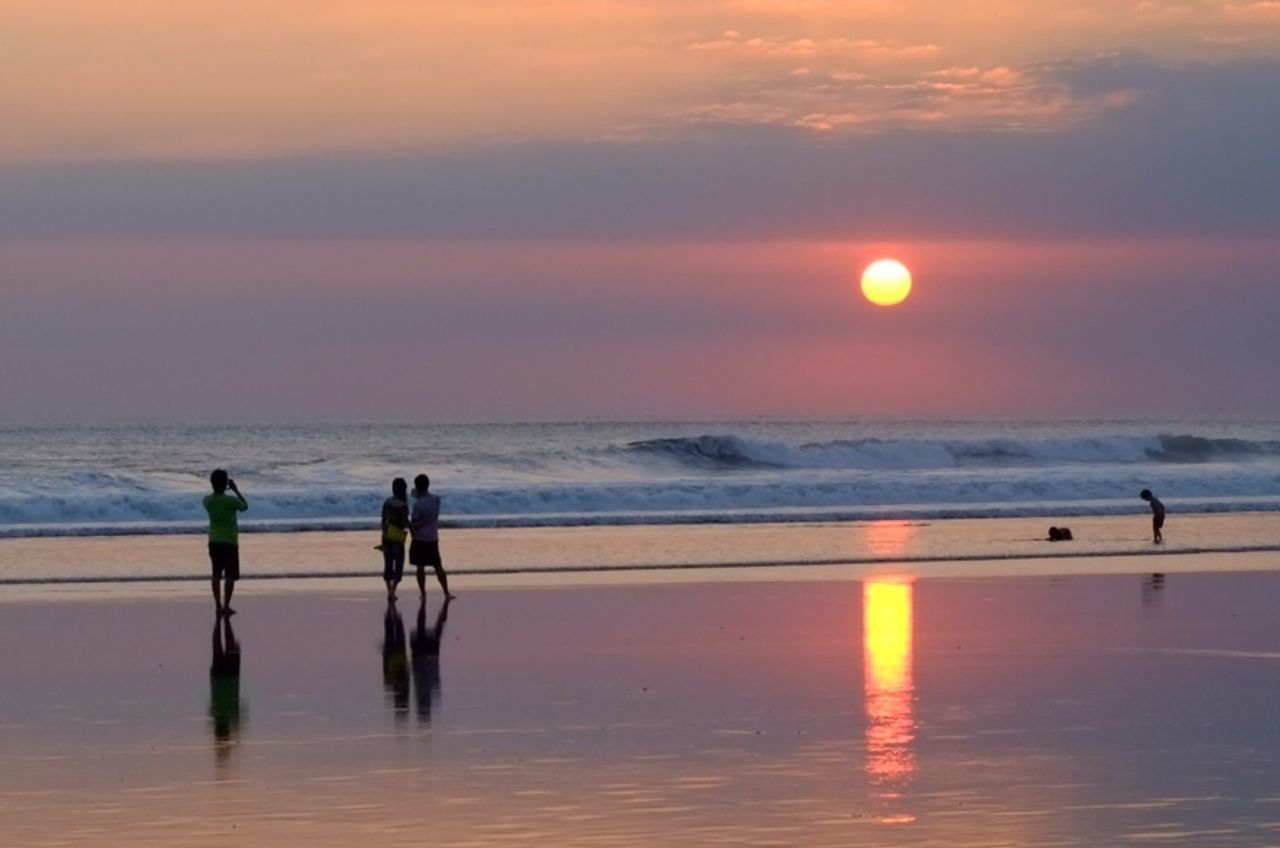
[[426, 659], [424, 524], [224, 688], [224, 537], [395, 529], [395, 661], [1157, 515]]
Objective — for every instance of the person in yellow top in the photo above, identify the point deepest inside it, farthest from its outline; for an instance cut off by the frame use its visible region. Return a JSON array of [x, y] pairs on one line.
[[224, 537], [395, 529]]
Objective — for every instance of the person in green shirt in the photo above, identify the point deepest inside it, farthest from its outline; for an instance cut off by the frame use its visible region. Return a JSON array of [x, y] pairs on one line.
[[224, 537]]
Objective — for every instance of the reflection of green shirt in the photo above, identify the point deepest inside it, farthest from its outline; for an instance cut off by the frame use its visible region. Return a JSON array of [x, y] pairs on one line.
[[222, 511]]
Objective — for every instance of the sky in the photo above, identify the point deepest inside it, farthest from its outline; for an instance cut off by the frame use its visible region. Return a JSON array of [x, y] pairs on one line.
[[563, 209]]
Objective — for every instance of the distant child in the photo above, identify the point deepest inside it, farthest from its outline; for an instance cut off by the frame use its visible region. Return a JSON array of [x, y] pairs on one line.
[[224, 537], [395, 529], [424, 524], [1157, 515]]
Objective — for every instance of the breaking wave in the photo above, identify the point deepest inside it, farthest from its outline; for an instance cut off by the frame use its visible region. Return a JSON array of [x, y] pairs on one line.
[[736, 452], [133, 481]]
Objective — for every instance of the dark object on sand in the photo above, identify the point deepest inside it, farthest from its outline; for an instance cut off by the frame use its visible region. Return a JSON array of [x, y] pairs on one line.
[[1060, 534]]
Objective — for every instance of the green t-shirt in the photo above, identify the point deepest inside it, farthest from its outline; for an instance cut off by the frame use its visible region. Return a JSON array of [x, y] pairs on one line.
[[222, 511]]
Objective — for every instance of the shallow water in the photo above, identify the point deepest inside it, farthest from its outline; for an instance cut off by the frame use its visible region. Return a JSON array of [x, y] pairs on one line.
[[1068, 711]]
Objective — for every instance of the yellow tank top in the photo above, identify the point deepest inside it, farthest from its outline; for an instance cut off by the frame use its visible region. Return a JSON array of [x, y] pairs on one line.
[[394, 509]]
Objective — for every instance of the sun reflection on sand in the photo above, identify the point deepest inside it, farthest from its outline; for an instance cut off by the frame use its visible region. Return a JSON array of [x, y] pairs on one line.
[[889, 687], [889, 538]]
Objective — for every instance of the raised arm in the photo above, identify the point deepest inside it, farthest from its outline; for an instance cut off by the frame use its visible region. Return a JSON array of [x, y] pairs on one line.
[[244, 504]]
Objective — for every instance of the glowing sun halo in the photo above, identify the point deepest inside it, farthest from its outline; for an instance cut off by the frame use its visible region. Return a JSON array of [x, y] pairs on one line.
[[886, 282]]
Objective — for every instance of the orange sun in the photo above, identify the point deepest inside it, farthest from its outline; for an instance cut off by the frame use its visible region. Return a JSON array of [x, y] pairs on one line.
[[886, 282]]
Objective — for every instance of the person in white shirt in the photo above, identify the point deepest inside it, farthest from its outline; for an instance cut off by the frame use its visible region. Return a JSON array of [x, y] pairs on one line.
[[424, 526]]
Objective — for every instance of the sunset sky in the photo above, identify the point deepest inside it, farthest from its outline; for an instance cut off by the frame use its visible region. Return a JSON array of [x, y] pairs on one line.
[[637, 208]]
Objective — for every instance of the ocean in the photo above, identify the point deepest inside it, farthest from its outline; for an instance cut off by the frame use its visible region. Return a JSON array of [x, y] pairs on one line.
[[144, 479]]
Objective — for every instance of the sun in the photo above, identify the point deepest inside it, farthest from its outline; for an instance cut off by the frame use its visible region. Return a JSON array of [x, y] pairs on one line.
[[886, 282]]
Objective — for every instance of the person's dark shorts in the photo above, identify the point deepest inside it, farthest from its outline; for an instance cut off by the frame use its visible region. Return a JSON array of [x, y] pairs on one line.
[[424, 553], [1158, 521], [225, 559]]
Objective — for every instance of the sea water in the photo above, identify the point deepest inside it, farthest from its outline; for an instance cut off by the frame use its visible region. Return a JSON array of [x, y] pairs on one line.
[[132, 479], [121, 503]]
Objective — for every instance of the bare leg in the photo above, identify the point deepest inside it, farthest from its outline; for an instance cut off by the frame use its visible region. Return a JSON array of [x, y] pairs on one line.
[[217, 596], [227, 589], [389, 571], [422, 581], [395, 571], [444, 582]]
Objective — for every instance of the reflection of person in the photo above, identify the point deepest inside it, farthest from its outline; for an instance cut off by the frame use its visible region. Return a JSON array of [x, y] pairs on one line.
[[395, 661], [1152, 586], [1157, 515], [224, 688], [426, 659], [395, 528], [424, 524], [224, 537]]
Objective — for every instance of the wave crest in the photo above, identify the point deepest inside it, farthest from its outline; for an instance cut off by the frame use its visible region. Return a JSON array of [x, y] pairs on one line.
[[712, 451]]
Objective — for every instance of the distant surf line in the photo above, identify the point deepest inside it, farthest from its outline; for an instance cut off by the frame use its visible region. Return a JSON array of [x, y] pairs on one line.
[[690, 566]]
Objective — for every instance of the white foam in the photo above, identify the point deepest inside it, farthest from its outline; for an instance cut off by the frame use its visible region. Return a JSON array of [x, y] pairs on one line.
[[151, 480]]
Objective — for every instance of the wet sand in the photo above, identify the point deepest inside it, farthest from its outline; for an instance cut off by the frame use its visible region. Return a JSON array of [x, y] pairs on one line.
[[875, 709], [934, 546]]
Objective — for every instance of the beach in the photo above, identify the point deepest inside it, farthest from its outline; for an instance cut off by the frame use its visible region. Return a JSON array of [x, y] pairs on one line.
[[114, 564], [841, 423], [751, 633], [1050, 702]]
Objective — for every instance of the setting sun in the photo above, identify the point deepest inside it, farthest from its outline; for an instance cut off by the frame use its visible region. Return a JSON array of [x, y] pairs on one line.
[[886, 282]]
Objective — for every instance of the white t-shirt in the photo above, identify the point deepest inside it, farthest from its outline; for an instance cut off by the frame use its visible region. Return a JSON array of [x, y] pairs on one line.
[[424, 523]]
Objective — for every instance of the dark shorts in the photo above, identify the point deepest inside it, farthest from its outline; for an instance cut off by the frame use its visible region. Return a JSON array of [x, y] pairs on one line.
[[1157, 521], [424, 553], [392, 560], [225, 559]]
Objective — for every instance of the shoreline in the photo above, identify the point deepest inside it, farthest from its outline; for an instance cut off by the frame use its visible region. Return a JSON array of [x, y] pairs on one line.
[[367, 586], [570, 570], [283, 563]]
